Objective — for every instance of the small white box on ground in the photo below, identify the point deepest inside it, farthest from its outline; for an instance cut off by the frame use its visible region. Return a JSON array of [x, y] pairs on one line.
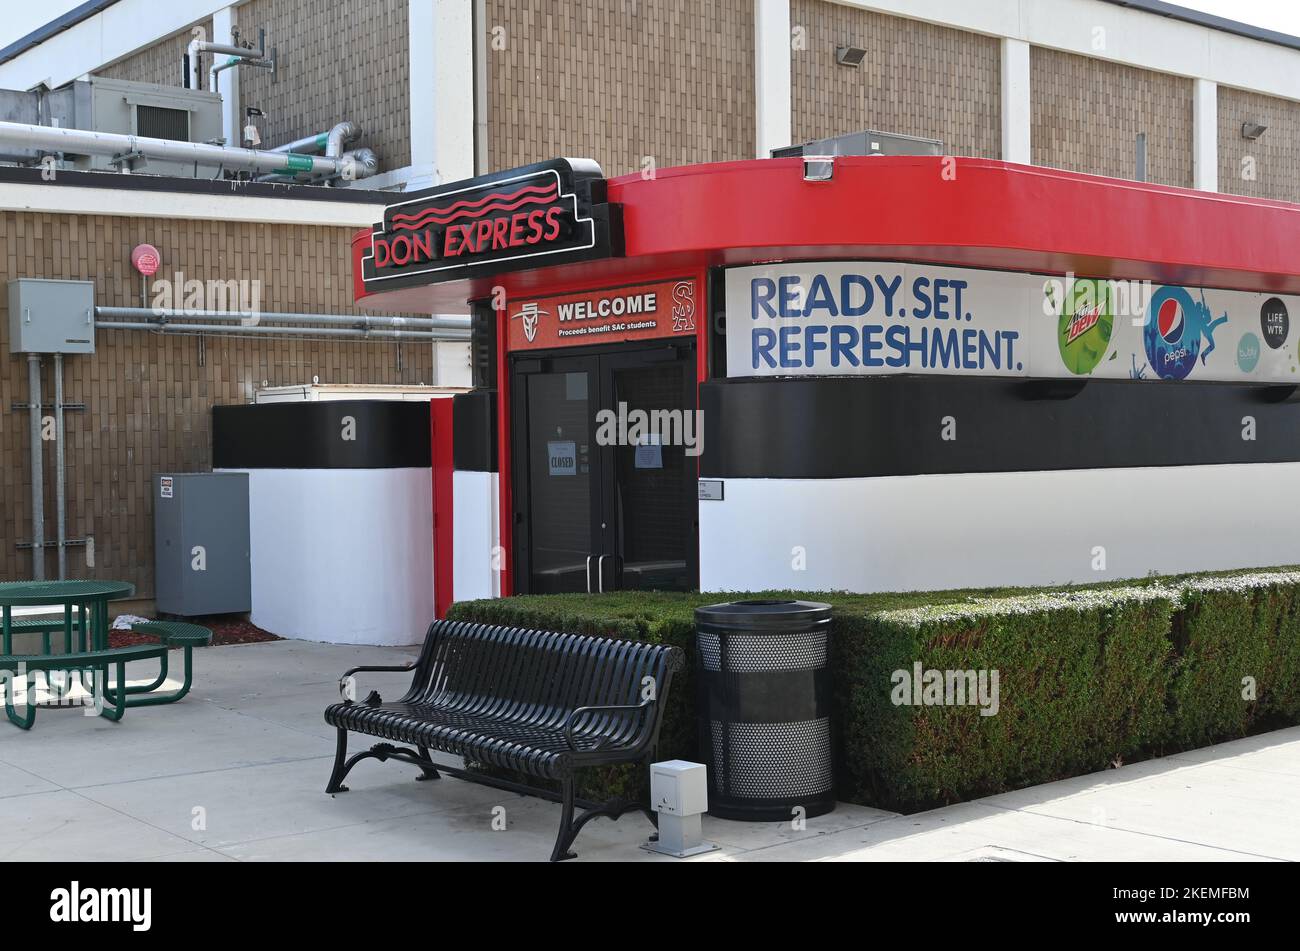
[[679, 793], [678, 788]]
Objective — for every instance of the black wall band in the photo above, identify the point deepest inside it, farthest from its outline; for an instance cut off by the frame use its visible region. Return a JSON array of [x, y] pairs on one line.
[[768, 696], [823, 428], [388, 434], [474, 432]]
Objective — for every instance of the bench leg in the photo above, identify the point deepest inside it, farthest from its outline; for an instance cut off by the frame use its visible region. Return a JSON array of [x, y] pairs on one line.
[[341, 767], [25, 721], [569, 829], [108, 696], [568, 832], [381, 752], [431, 771]]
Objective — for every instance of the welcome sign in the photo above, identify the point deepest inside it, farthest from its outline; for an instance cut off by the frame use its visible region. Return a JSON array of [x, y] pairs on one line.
[[871, 318]]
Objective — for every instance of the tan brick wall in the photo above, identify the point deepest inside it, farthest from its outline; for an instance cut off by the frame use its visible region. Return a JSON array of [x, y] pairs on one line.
[[148, 399], [917, 79], [1087, 113], [338, 60], [160, 63], [617, 81], [1273, 159]]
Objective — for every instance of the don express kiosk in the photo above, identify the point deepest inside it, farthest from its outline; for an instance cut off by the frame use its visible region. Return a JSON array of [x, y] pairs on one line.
[[853, 374]]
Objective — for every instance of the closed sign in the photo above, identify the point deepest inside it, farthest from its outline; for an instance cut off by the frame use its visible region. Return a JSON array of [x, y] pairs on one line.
[[562, 458]]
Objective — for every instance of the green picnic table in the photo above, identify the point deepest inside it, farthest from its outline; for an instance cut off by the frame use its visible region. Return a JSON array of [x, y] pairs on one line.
[[86, 630], [85, 646]]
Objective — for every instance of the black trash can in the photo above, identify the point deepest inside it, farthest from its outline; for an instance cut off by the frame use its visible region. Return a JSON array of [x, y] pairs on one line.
[[765, 708]]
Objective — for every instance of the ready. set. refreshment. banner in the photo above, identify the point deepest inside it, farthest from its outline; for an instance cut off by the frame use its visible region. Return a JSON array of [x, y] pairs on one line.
[[863, 318]]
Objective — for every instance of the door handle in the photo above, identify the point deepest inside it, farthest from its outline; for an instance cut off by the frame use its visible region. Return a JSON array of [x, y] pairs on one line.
[[589, 557], [600, 574]]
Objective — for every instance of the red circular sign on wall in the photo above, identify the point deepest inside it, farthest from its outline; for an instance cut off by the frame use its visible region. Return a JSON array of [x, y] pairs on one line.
[[145, 259]]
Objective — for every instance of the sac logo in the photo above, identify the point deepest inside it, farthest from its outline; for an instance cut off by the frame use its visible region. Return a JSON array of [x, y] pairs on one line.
[[1178, 331], [1087, 321]]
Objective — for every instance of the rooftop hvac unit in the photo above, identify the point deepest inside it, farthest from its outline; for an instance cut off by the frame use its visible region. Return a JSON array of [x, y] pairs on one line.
[[100, 104]]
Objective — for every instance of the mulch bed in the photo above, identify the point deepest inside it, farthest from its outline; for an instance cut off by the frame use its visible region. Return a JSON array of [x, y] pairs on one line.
[[226, 629]]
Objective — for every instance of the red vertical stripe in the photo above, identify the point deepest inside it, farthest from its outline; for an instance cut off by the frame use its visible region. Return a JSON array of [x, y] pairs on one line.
[[443, 552]]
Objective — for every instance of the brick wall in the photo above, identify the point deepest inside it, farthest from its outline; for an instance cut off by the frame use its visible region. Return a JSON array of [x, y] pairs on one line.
[[1273, 159], [338, 60], [1086, 115], [916, 79], [148, 399], [619, 81]]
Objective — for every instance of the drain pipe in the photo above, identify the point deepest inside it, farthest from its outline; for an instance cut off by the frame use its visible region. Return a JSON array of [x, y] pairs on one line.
[[60, 510], [38, 475], [83, 142], [353, 321]]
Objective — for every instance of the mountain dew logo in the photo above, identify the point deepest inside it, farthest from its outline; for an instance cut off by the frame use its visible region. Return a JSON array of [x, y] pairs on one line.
[[1087, 319]]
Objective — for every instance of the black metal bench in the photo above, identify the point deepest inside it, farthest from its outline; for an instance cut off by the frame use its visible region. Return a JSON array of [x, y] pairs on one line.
[[532, 702]]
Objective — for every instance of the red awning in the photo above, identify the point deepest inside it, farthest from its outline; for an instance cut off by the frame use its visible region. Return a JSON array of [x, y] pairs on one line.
[[969, 212]]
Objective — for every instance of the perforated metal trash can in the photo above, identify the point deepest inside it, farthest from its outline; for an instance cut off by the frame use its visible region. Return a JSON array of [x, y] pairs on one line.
[[765, 708]]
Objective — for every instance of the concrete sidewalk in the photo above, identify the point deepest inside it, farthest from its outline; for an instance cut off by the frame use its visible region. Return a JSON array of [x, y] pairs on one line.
[[237, 771]]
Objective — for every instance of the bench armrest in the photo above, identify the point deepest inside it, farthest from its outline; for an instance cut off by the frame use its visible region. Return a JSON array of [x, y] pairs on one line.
[[403, 668], [576, 714]]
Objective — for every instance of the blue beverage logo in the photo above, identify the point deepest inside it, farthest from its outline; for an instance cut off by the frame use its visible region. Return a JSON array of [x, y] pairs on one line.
[[1248, 352], [1177, 328]]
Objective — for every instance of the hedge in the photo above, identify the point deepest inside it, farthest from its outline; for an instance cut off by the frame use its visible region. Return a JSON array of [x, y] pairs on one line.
[[1088, 678]]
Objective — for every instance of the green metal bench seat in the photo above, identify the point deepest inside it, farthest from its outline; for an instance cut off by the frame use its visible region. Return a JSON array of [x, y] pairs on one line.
[[48, 626], [21, 667], [172, 634], [175, 633]]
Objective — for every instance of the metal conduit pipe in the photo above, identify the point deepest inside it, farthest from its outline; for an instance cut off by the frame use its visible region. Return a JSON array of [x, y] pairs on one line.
[[60, 505], [339, 136], [83, 142], [38, 474], [344, 132], [359, 321], [198, 46], [284, 331], [217, 68], [364, 163]]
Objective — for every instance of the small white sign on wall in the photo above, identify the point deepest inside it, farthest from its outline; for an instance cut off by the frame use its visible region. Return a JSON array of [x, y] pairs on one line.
[[165, 487]]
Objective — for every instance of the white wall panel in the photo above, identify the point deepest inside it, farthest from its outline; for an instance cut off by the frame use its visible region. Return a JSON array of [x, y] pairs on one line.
[[1009, 528], [342, 555]]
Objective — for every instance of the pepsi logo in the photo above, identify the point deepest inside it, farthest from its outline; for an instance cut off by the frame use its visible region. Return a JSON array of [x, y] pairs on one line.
[[1170, 321]]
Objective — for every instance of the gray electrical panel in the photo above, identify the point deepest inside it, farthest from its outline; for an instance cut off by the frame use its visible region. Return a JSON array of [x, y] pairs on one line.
[[866, 142], [201, 543], [51, 316]]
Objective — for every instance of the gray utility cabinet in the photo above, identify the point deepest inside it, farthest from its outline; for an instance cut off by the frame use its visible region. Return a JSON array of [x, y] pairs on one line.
[[51, 316], [200, 540]]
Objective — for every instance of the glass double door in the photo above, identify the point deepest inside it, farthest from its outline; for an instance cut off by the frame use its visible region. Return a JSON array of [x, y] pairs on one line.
[[604, 470]]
